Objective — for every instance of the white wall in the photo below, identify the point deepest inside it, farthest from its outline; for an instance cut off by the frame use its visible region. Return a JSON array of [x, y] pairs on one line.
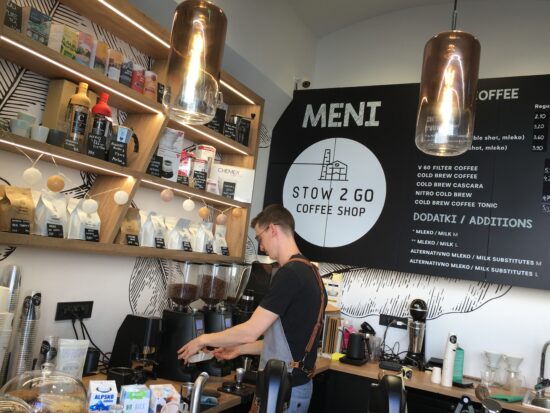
[[388, 50]]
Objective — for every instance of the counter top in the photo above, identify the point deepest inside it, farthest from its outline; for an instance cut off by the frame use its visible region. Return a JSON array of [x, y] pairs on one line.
[[225, 401], [420, 380]]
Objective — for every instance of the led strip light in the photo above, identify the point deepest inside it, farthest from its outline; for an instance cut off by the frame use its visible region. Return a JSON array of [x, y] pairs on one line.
[[110, 171], [79, 75], [134, 23], [231, 88], [213, 138], [190, 194]]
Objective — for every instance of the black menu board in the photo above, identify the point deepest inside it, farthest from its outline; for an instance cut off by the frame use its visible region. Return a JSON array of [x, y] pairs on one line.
[[344, 162]]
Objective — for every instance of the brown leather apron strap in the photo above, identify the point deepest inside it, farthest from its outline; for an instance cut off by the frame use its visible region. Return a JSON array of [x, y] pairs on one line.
[[319, 321]]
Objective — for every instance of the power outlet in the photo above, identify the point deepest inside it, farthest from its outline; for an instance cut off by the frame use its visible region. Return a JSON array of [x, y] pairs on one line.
[[386, 319], [75, 309]]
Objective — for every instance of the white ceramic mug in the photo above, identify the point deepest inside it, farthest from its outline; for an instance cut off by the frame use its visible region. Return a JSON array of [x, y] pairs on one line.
[[436, 375], [39, 133], [19, 127]]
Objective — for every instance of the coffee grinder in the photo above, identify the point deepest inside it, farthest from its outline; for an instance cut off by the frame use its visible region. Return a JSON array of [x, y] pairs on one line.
[[213, 292], [416, 327], [238, 279], [180, 324]]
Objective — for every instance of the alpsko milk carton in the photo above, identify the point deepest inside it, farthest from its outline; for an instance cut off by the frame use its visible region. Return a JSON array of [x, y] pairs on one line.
[[135, 398], [101, 395]]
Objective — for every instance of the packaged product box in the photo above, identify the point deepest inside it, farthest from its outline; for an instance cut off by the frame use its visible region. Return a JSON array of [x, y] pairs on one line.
[[150, 85], [63, 39], [114, 64], [36, 24], [164, 397], [101, 395], [85, 49], [126, 72], [101, 55], [233, 181], [169, 150], [135, 398], [13, 16], [59, 93]]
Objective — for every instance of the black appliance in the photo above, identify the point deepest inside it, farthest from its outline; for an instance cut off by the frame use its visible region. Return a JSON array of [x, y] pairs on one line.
[[178, 328], [416, 327], [137, 340]]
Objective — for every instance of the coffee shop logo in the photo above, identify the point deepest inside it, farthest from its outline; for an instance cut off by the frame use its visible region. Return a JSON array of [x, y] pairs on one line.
[[335, 190]]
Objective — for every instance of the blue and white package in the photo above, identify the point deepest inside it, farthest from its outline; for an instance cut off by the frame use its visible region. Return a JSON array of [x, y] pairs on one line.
[[135, 398], [101, 395]]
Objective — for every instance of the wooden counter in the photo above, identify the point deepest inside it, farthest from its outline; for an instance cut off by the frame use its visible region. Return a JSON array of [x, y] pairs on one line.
[[420, 380], [225, 401]]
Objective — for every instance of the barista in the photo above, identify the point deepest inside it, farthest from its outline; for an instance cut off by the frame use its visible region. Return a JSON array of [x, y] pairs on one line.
[[289, 317]]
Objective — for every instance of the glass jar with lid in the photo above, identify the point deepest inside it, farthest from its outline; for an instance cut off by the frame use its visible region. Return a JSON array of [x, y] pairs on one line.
[[47, 390], [214, 283], [183, 286]]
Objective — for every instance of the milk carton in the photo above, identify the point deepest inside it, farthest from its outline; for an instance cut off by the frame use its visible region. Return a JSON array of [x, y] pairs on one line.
[[135, 398], [101, 395], [165, 398]]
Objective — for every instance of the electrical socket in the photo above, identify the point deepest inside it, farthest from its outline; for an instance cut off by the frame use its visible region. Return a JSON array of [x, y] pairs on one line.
[[386, 319], [66, 311]]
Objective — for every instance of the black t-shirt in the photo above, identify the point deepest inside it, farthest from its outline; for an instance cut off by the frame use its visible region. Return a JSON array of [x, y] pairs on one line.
[[294, 296]]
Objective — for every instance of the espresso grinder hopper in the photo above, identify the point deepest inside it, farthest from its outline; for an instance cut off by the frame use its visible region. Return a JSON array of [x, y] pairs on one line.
[[181, 324]]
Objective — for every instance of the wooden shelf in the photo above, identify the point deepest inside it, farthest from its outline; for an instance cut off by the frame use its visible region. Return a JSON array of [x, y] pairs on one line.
[[232, 98], [154, 182], [37, 241], [17, 144], [47, 62], [114, 23], [204, 135]]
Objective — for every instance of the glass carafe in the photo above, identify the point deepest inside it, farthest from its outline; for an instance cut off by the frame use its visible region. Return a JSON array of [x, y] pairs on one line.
[[238, 279], [183, 287]]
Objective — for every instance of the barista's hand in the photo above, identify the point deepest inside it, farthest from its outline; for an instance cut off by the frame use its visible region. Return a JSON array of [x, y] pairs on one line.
[[226, 353], [190, 349]]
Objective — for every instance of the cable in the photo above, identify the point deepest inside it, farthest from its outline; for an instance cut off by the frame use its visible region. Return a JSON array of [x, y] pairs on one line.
[[74, 328], [91, 341], [385, 355]]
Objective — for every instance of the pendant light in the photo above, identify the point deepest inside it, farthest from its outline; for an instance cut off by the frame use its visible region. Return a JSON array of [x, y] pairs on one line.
[[448, 88], [194, 63]]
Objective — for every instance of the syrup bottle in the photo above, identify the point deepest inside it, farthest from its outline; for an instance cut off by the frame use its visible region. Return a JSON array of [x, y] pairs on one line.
[[78, 112]]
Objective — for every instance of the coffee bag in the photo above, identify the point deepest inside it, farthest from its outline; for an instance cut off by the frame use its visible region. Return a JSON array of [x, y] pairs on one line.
[[220, 244], [82, 225], [16, 209], [50, 215], [130, 228]]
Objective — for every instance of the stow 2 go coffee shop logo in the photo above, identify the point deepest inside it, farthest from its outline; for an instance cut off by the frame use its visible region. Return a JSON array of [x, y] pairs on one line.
[[336, 188]]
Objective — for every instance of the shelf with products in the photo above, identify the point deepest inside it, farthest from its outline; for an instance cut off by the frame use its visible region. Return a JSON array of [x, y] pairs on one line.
[[32, 55], [145, 117], [36, 241]]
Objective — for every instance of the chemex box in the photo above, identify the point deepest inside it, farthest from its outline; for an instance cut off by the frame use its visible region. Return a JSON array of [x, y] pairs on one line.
[[102, 394], [165, 398], [135, 398]]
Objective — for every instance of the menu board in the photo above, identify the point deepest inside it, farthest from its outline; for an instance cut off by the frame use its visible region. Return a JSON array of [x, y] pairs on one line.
[[345, 163]]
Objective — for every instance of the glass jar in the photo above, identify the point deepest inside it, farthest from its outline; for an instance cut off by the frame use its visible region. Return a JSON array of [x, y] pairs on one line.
[[183, 286], [214, 283]]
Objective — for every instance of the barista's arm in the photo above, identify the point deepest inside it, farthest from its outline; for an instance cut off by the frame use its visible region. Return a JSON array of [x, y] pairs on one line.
[[229, 353], [245, 333]]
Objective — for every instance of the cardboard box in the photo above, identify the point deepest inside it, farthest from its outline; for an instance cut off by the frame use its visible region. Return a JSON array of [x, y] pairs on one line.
[[114, 64], [135, 398], [85, 48], [101, 395], [163, 397], [59, 93], [36, 24], [101, 55], [233, 181], [63, 39], [13, 16]]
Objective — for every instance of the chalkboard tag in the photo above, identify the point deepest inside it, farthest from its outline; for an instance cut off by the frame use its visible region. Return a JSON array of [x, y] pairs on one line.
[[97, 146], [228, 189], [187, 246], [160, 92], [200, 179], [132, 240], [91, 234], [117, 153], [243, 131], [159, 243], [225, 250], [155, 166], [209, 248], [20, 226], [13, 16], [230, 130], [71, 145], [55, 230]]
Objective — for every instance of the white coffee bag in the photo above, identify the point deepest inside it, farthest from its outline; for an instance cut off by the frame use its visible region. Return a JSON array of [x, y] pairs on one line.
[[50, 215], [82, 225], [220, 244]]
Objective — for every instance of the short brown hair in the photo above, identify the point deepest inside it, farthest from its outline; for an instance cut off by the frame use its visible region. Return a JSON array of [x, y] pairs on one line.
[[274, 214]]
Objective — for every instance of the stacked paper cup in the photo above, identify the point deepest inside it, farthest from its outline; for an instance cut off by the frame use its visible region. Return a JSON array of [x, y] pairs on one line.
[[10, 283]]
